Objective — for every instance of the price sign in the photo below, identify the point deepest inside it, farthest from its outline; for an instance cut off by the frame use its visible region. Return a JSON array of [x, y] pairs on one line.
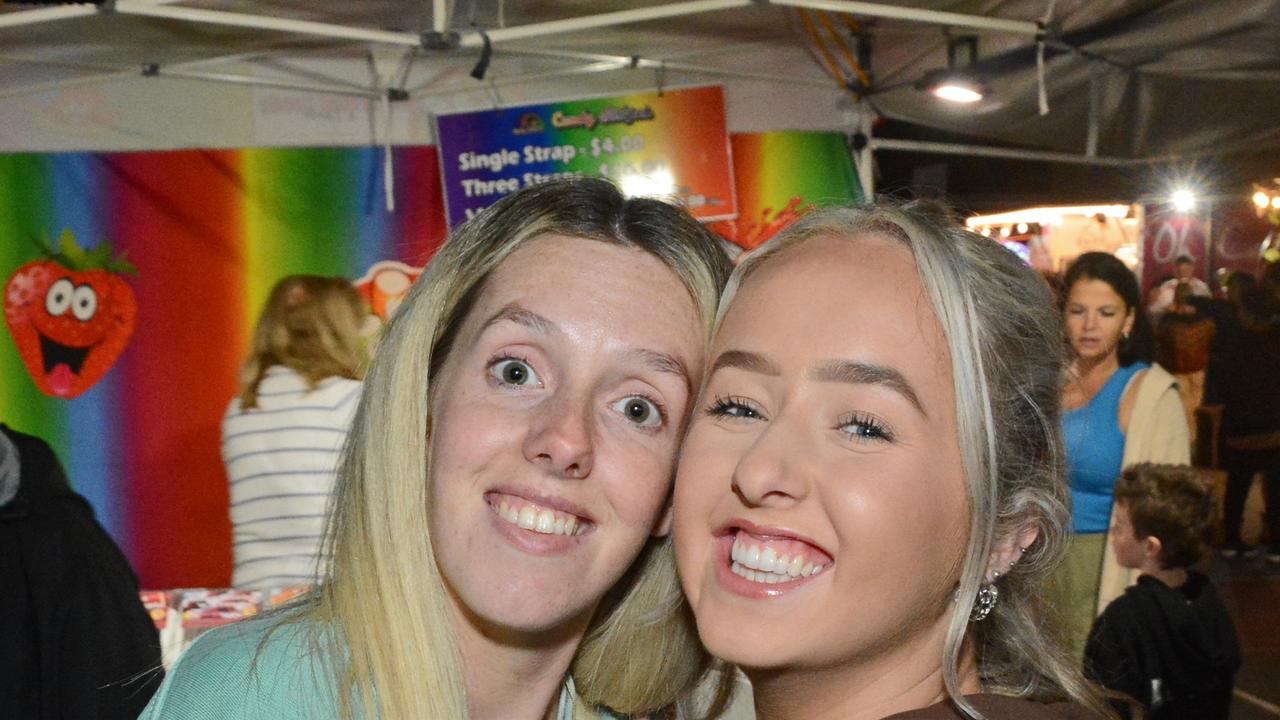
[[672, 146]]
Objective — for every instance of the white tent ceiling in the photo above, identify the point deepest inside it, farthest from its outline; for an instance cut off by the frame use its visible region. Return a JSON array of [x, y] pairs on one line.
[[1168, 77]]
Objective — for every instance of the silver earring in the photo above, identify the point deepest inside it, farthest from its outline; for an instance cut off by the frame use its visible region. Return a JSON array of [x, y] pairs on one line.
[[986, 601]]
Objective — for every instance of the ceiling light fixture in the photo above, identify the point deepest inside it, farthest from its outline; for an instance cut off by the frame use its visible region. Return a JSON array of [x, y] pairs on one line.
[[957, 83]]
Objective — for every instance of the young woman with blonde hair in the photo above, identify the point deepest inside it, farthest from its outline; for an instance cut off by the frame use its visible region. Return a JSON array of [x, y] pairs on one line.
[[282, 435], [871, 492], [498, 533]]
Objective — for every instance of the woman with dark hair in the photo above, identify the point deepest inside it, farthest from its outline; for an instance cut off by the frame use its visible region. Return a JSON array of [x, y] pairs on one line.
[[1119, 408]]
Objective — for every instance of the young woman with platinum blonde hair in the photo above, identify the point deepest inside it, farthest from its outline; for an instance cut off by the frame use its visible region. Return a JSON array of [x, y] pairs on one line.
[[871, 491], [498, 537]]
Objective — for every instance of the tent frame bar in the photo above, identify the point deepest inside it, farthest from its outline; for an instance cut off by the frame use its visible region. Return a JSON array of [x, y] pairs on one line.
[[941, 148], [167, 9]]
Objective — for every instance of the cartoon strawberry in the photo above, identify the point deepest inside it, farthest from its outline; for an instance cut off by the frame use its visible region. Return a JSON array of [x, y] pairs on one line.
[[70, 314]]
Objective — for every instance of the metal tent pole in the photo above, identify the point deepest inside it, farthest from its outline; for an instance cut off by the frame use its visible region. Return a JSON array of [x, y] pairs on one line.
[[44, 15], [621, 17], [262, 22], [933, 17]]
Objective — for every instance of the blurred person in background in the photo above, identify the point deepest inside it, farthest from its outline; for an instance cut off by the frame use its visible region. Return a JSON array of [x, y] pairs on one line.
[[77, 642], [282, 436], [1247, 382], [1164, 294], [1168, 642], [1119, 409]]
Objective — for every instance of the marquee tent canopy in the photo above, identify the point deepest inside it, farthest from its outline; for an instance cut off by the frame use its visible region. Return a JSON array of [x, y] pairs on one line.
[[1125, 80]]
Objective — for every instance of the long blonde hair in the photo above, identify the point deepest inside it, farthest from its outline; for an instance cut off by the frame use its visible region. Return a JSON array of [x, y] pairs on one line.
[[1004, 335], [383, 593], [310, 324]]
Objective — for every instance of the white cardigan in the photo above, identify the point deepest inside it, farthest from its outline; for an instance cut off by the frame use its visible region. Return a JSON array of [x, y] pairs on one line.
[[1157, 433]]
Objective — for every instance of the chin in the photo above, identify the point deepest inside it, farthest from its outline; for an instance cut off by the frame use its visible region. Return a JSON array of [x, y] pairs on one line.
[[753, 644]]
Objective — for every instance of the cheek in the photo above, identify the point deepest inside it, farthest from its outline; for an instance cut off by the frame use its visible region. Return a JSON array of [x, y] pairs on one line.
[[638, 480], [703, 474]]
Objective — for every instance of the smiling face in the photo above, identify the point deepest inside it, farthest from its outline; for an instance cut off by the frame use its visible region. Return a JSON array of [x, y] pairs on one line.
[[70, 326], [820, 506], [1096, 318], [555, 424]]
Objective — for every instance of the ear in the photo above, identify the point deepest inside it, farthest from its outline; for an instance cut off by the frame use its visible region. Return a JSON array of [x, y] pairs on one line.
[[663, 526], [1152, 547], [1129, 319], [1008, 551]]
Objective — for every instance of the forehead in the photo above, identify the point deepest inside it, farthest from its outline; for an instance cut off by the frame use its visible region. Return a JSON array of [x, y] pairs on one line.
[[593, 287], [1092, 291], [858, 298]]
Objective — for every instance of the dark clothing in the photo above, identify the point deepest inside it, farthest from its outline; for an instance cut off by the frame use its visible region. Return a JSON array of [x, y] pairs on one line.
[[1001, 707], [1172, 649], [1241, 465], [1247, 385], [78, 644], [1244, 378], [1226, 340]]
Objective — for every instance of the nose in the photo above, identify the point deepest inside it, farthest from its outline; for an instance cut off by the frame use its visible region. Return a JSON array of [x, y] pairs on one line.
[[560, 438], [767, 474]]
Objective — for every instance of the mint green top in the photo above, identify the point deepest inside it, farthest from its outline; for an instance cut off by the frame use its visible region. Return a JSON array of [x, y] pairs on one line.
[[239, 672], [229, 672]]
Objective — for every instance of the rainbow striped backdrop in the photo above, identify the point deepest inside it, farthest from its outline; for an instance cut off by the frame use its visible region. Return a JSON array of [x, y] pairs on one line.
[[210, 232]]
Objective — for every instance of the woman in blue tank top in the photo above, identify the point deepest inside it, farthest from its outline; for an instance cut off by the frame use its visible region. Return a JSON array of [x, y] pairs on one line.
[[1111, 347]]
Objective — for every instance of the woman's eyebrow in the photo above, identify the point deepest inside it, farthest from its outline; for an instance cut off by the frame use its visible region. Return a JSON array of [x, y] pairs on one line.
[[744, 360], [512, 312], [860, 373], [665, 363]]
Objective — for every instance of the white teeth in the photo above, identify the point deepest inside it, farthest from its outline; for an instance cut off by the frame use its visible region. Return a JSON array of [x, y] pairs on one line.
[[528, 516], [768, 559], [764, 565], [538, 519], [546, 521]]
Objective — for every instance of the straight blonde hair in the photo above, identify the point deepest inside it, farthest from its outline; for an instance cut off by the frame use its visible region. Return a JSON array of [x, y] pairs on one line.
[[1004, 335], [395, 655], [311, 325]]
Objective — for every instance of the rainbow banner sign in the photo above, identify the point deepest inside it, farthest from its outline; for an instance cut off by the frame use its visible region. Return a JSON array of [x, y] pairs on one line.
[[671, 144]]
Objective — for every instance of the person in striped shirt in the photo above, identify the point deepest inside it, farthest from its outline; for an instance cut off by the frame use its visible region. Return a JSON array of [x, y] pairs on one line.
[[281, 437]]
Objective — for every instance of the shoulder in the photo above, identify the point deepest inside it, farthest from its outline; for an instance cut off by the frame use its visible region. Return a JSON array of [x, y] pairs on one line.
[[260, 668], [1002, 707]]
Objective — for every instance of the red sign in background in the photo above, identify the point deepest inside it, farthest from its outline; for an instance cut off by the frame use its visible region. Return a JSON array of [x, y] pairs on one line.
[[1237, 235], [1167, 235]]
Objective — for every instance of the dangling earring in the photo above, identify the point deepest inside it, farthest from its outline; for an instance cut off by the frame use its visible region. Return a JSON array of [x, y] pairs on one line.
[[986, 601]]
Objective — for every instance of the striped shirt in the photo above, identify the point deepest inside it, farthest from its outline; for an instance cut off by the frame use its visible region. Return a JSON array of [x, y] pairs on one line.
[[281, 458]]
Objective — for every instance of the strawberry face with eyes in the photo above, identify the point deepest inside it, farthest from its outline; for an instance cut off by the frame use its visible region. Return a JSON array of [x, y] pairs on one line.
[[69, 319]]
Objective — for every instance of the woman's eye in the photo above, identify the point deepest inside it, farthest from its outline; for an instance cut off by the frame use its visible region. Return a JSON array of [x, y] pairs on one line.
[[640, 410], [510, 371], [733, 407], [865, 428]]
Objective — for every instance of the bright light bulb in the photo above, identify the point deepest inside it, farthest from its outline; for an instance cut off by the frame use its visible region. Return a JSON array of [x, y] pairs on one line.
[[1183, 200], [1275, 202], [660, 183], [1022, 228], [1004, 231], [1261, 199], [957, 93]]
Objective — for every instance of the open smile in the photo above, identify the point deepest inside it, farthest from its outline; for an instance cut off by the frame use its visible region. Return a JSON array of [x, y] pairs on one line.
[[767, 562], [536, 516], [55, 353]]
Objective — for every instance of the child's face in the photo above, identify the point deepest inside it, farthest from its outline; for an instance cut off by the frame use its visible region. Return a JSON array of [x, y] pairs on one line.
[[1130, 551]]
